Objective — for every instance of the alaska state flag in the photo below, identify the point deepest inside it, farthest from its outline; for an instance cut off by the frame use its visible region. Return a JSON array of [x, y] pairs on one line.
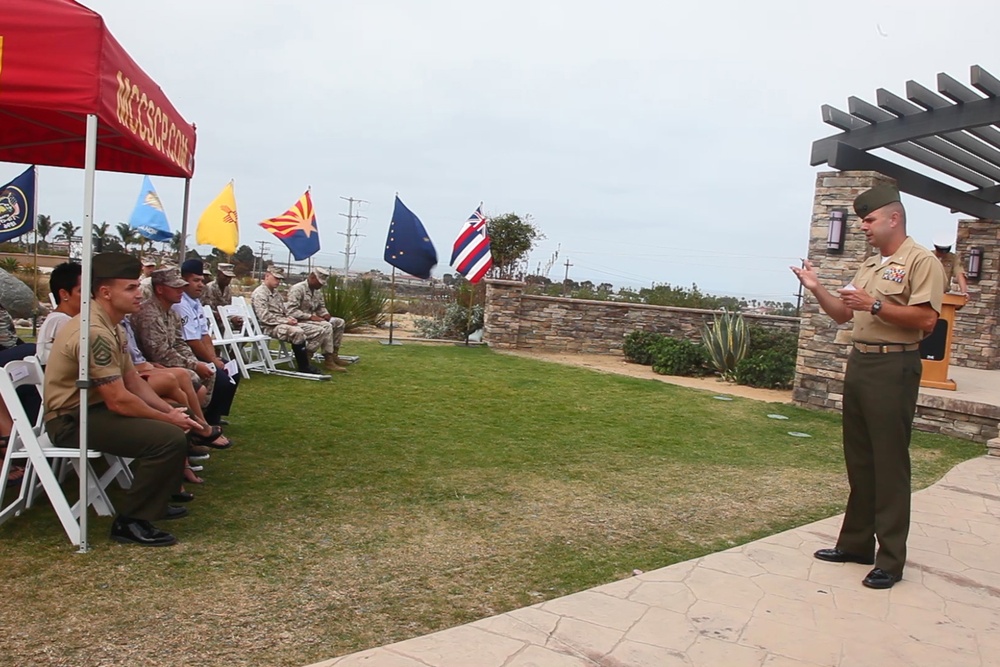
[[148, 217], [219, 224], [407, 246], [471, 253], [17, 206], [296, 228]]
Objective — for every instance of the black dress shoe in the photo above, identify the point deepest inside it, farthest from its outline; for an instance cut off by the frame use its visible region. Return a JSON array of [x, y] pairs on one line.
[[174, 512], [837, 556], [182, 497], [879, 578], [141, 532]]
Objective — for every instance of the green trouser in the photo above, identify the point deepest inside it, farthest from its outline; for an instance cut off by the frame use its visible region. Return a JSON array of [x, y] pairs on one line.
[[880, 398], [158, 450]]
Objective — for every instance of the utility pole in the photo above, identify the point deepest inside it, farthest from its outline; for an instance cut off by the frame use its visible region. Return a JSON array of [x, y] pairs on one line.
[[260, 257], [351, 234], [566, 279]]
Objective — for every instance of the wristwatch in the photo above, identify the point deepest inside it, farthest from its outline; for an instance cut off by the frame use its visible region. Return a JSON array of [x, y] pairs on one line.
[[876, 307]]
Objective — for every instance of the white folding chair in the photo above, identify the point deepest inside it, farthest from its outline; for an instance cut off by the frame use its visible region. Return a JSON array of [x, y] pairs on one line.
[[30, 445], [268, 358], [252, 350]]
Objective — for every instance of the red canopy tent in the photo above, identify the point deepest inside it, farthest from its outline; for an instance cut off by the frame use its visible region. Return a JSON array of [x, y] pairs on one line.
[[58, 64], [70, 96]]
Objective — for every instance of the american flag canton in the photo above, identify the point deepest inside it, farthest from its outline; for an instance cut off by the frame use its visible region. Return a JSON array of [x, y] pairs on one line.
[[471, 253]]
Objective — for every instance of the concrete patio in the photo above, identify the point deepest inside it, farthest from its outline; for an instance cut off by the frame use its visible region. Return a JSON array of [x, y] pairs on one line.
[[768, 603]]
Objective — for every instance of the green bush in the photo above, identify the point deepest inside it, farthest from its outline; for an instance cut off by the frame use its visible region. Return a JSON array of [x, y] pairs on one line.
[[763, 339], [358, 302], [639, 346], [674, 356], [456, 323], [770, 369]]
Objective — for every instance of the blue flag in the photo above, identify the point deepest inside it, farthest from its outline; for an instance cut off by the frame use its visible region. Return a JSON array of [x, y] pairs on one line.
[[148, 217], [408, 247], [17, 206]]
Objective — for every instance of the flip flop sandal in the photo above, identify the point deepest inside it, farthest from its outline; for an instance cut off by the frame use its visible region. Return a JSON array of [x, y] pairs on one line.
[[209, 440]]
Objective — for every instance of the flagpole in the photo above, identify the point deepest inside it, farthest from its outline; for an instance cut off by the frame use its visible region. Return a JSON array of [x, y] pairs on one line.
[[34, 316], [184, 222], [392, 306]]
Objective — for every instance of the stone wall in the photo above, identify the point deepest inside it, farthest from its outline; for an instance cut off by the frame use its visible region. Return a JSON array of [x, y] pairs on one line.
[[977, 328], [516, 320]]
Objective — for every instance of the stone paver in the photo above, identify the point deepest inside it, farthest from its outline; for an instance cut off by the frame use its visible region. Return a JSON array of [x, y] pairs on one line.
[[768, 603]]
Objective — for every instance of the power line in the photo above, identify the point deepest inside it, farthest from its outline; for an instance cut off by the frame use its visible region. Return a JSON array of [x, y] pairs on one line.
[[351, 236]]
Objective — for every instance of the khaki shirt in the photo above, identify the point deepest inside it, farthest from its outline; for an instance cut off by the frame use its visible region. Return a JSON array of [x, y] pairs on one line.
[[912, 276], [109, 360], [269, 307], [952, 268], [303, 302]]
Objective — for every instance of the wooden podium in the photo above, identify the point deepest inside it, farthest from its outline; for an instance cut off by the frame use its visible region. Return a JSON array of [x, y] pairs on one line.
[[935, 350]]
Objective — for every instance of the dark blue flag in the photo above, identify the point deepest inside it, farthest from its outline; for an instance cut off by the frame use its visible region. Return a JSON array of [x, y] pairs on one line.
[[408, 247], [17, 206]]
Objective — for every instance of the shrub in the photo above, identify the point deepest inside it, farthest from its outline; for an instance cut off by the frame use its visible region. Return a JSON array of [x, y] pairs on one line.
[[674, 356], [456, 322], [726, 342], [766, 338], [639, 346], [770, 369], [357, 302]]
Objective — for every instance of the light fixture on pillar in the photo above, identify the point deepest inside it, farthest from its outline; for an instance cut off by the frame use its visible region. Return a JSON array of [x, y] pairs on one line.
[[974, 269], [838, 230]]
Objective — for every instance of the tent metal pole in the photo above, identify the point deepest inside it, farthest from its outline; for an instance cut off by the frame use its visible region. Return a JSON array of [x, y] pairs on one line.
[[83, 378], [184, 222]]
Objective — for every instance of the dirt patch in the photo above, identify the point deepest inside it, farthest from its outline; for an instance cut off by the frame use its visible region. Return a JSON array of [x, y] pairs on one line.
[[606, 363]]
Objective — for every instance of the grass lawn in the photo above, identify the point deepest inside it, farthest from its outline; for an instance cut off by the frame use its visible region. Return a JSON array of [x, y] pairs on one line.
[[429, 487]]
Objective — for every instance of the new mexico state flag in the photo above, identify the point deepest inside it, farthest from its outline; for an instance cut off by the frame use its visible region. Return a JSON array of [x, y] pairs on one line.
[[219, 225]]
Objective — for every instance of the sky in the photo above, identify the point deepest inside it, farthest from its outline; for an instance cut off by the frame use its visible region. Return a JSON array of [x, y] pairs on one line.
[[649, 141]]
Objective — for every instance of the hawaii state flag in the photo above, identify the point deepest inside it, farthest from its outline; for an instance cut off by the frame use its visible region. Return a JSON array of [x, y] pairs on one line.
[[471, 254], [407, 246], [148, 217], [17, 206], [296, 228], [219, 225]]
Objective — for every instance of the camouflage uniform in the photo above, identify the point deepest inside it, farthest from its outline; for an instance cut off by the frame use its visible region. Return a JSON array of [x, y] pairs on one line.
[[303, 303], [158, 333], [214, 296], [272, 312], [8, 334]]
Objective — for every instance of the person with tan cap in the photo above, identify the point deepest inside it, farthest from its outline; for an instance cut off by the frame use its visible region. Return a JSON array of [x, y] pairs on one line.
[[894, 300], [148, 266], [272, 313], [951, 264], [306, 303]]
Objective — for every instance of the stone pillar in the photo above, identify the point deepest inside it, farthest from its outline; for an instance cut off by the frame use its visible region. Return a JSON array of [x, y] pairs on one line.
[[977, 324], [823, 345], [502, 314]]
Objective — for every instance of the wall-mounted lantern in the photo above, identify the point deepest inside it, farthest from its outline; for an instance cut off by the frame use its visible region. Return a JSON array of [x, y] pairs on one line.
[[974, 269], [837, 232]]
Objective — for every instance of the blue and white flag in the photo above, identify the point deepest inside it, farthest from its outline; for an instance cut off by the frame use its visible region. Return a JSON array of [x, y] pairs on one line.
[[407, 246], [17, 206], [148, 217]]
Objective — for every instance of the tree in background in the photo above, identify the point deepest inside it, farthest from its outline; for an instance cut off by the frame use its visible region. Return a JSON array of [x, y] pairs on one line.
[[511, 239], [43, 227], [244, 260], [68, 231], [126, 234], [101, 237]]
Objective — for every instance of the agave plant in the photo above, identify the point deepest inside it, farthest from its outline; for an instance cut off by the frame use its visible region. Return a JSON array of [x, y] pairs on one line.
[[358, 302], [726, 341]]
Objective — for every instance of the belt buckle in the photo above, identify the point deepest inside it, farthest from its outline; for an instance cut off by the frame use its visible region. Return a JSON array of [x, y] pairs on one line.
[[883, 348]]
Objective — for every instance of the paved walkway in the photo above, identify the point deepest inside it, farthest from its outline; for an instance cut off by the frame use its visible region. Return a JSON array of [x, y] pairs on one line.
[[765, 604]]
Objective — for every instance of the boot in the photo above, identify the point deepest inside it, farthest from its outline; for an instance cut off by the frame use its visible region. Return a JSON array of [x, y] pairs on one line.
[[337, 360], [302, 359], [332, 363]]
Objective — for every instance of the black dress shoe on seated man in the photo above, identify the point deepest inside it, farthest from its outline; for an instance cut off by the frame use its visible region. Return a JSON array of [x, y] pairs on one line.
[[879, 578], [175, 512], [837, 556], [138, 531]]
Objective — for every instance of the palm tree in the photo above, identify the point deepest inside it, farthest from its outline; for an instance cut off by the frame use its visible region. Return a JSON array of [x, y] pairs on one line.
[[100, 236], [67, 230], [125, 233], [43, 227]]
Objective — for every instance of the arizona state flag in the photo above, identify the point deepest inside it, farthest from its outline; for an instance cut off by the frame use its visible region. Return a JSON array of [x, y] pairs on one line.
[[296, 228], [219, 225], [17, 206]]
